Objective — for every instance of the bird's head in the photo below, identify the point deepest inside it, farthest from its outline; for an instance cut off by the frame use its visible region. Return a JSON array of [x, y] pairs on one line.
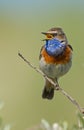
[[55, 41], [55, 33]]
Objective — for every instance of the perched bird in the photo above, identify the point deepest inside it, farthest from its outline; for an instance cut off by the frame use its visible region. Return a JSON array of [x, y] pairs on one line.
[[55, 58]]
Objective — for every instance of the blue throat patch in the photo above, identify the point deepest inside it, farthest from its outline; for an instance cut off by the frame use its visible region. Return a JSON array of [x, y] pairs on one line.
[[54, 47]]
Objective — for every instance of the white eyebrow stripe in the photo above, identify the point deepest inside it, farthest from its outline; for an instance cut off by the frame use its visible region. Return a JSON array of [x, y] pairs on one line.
[[52, 32]]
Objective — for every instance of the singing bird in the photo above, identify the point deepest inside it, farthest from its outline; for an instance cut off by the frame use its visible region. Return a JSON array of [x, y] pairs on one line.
[[55, 58]]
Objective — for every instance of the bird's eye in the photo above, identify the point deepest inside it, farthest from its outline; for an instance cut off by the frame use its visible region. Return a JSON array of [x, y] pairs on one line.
[[55, 34], [61, 34]]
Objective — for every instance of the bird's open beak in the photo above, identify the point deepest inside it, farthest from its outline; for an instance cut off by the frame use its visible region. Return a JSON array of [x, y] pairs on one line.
[[45, 38], [44, 33], [48, 36]]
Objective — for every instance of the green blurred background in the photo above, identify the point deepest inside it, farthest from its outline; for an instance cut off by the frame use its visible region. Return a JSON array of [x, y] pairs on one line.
[[21, 24]]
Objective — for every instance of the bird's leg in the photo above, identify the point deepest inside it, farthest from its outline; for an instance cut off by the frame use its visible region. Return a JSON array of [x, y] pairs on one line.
[[57, 84]]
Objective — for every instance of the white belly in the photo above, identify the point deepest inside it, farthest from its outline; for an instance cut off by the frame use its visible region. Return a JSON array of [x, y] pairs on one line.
[[53, 70]]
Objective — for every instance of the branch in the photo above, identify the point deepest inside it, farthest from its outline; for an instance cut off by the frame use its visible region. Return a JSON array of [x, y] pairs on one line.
[[75, 103]]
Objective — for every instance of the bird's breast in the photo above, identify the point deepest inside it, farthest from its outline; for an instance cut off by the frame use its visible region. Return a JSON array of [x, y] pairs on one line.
[[60, 59], [54, 70]]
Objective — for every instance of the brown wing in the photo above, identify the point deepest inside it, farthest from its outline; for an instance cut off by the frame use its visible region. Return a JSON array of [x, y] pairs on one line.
[[70, 47]]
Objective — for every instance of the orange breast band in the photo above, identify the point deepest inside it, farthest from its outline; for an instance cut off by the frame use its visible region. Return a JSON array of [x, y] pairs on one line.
[[61, 59]]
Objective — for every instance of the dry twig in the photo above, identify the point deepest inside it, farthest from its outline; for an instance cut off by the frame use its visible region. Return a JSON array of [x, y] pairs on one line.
[[54, 84]]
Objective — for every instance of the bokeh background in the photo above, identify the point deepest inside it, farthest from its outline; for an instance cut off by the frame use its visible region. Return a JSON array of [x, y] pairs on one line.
[[21, 24]]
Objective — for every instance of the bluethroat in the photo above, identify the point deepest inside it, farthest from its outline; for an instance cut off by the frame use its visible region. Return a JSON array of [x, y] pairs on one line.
[[55, 58]]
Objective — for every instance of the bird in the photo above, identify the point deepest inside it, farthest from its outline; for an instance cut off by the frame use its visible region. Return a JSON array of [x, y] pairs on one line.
[[55, 59]]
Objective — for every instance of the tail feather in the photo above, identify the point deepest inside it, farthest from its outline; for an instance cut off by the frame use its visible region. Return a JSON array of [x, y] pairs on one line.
[[48, 94], [48, 91]]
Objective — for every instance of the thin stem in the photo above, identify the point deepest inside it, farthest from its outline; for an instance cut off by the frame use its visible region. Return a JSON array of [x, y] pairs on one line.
[[54, 84]]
